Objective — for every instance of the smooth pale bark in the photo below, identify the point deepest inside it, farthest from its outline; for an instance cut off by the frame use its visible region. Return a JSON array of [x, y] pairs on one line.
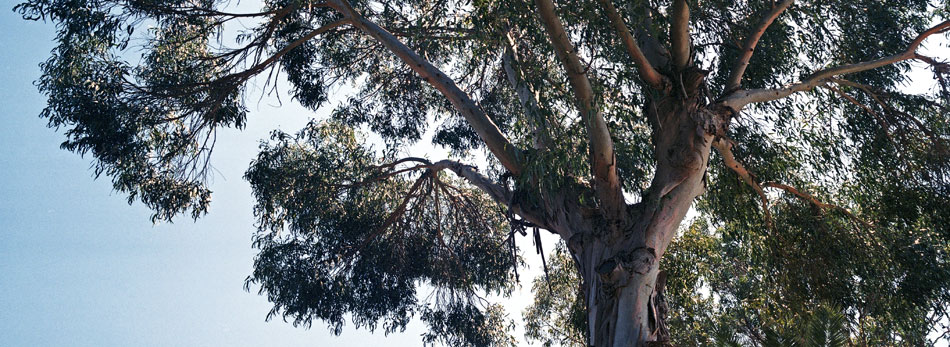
[[647, 72], [679, 34], [620, 268], [735, 79]]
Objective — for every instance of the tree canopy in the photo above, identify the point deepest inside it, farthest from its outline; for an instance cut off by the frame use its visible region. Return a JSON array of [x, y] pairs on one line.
[[822, 211]]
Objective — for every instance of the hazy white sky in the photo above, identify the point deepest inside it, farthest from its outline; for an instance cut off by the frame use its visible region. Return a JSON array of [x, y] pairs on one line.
[[80, 267]]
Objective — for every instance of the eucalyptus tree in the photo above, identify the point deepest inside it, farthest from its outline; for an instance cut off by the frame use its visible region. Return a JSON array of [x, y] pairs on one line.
[[598, 120]]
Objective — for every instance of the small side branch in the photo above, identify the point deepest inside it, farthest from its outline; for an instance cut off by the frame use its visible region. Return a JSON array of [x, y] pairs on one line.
[[816, 202], [296, 43], [526, 95], [735, 79], [878, 97], [494, 190], [647, 72], [395, 215], [941, 71], [725, 150], [880, 120], [567, 55], [739, 99]]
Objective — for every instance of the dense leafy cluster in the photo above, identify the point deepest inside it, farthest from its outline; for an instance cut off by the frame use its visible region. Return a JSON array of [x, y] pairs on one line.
[[150, 126], [340, 234]]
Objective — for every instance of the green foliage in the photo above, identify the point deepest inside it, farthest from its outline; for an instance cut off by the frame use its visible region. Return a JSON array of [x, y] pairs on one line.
[[340, 235], [744, 280], [558, 316]]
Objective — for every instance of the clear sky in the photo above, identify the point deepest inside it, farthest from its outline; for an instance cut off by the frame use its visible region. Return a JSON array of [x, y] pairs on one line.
[[81, 267]]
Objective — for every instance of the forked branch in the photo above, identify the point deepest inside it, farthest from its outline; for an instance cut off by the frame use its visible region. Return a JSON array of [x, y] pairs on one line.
[[494, 190], [739, 99]]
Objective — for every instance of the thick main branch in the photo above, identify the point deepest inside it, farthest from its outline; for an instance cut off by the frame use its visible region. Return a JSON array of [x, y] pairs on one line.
[[647, 72], [603, 160], [679, 33]]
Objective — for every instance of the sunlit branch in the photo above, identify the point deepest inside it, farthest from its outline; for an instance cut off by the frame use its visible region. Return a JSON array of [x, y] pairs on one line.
[[647, 72], [679, 33], [739, 99], [735, 79], [603, 160]]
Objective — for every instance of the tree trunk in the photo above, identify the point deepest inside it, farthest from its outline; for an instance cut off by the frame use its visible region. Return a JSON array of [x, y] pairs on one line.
[[620, 310], [619, 261]]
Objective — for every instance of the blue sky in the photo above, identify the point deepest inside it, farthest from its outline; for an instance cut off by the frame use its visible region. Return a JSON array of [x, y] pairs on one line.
[[81, 267]]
